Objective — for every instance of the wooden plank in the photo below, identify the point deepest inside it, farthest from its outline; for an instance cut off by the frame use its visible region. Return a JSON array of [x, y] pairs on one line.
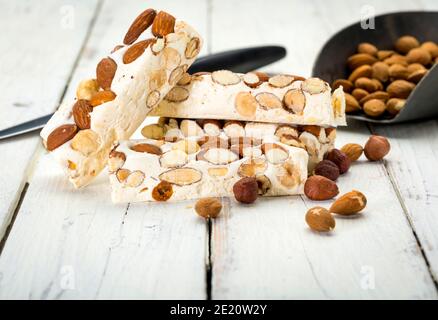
[[266, 250], [77, 244], [34, 72]]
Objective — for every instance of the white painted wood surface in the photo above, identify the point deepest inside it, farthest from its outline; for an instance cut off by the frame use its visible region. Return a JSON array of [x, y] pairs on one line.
[[71, 245]]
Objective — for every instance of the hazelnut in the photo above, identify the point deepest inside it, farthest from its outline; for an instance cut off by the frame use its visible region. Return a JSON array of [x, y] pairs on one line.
[[320, 219], [376, 148], [208, 207], [353, 151], [246, 190], [320, 188], [340, 159], [328, 169]]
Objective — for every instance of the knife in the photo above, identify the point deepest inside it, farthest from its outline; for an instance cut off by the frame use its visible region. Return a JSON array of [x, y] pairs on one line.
[[239, 60]]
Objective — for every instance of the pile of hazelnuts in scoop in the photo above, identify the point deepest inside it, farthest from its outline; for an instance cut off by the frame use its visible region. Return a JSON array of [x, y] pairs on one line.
[[318, 187]]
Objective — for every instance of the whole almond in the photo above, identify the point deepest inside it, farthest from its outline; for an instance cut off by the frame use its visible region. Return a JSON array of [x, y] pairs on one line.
[[136, 50], [419, 55], [374, 107], [320, 219], [394, 105], [164, 24], [379, 95], [415, 67], [380, 71], [384, 54], [366, 84], [140, 24], [353, 151], [396, 58], [431, 47], [360, 59], [346, 85], [350, 203], [61, 135], [367, 48], [102, 97], [105, 71], [362, 71], [406, 43], [416, 76], [376, 148], [81, 114], [359, 93], [320, 188], [400, 89], [398, 71], [351, 104]]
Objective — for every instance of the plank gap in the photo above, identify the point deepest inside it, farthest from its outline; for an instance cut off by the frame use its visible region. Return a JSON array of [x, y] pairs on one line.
[[406, 213], [209, 264], [14, 216]]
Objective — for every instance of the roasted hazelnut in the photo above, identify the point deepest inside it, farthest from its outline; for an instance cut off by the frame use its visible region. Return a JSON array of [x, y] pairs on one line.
[[246, 190], [376, 148], [340, 159], [328, 169], [208, 207]]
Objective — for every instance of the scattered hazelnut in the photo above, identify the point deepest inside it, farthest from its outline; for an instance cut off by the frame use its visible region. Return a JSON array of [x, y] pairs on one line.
[[353, 151], [208, 207], [340, 159], [328, 169], [376, 148], [246, 190], [320, 188], [320, 219], [350, 203]]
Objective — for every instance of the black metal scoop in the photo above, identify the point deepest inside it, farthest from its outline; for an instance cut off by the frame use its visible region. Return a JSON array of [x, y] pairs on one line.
[[331, 62]]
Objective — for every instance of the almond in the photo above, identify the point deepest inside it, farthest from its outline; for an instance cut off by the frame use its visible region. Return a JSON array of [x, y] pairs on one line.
[[374, 107], [359, 93], [234, 128], [384, 54], [147, 148], [116, 160], [136, 50], [102, 97], [419, 55], [395, 105], [353, 151], [177, 74], [398, 71], [181, 176], [164, 24], [135, 179], [350, 203], [400, 89], [105, 71], [347, 85], [379, 95], [173, 159], [380, 71], [81, 114], [246, 104], [314, 86], [251, 79], [193, 48], [153, 131], [218, 156], [320, 188], [190, 128], [268, 100], [320, 219], [360, 59], [61, 135], [153, 98], [294, 101], [366, 84], [262, 76], [415, 67], [177, 94], [187, 146], [351, 104], [367, 48], [362, 71], [406, 43], [274, 153], [122, 175], [280, 81], [416, 76], [140, 24], [158, 46], [185, 79], [396, 59], [431, 47], [225, 77], [170, 58]]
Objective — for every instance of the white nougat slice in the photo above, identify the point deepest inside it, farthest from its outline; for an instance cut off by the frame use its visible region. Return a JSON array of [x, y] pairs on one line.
[[129, 82], [255, 97], [156, 170]]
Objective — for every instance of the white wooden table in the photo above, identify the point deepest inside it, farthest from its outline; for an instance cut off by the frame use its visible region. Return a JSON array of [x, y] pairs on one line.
[[66, 244]]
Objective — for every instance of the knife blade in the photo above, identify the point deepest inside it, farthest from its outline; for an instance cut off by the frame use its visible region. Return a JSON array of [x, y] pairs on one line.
[[239, 60]]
